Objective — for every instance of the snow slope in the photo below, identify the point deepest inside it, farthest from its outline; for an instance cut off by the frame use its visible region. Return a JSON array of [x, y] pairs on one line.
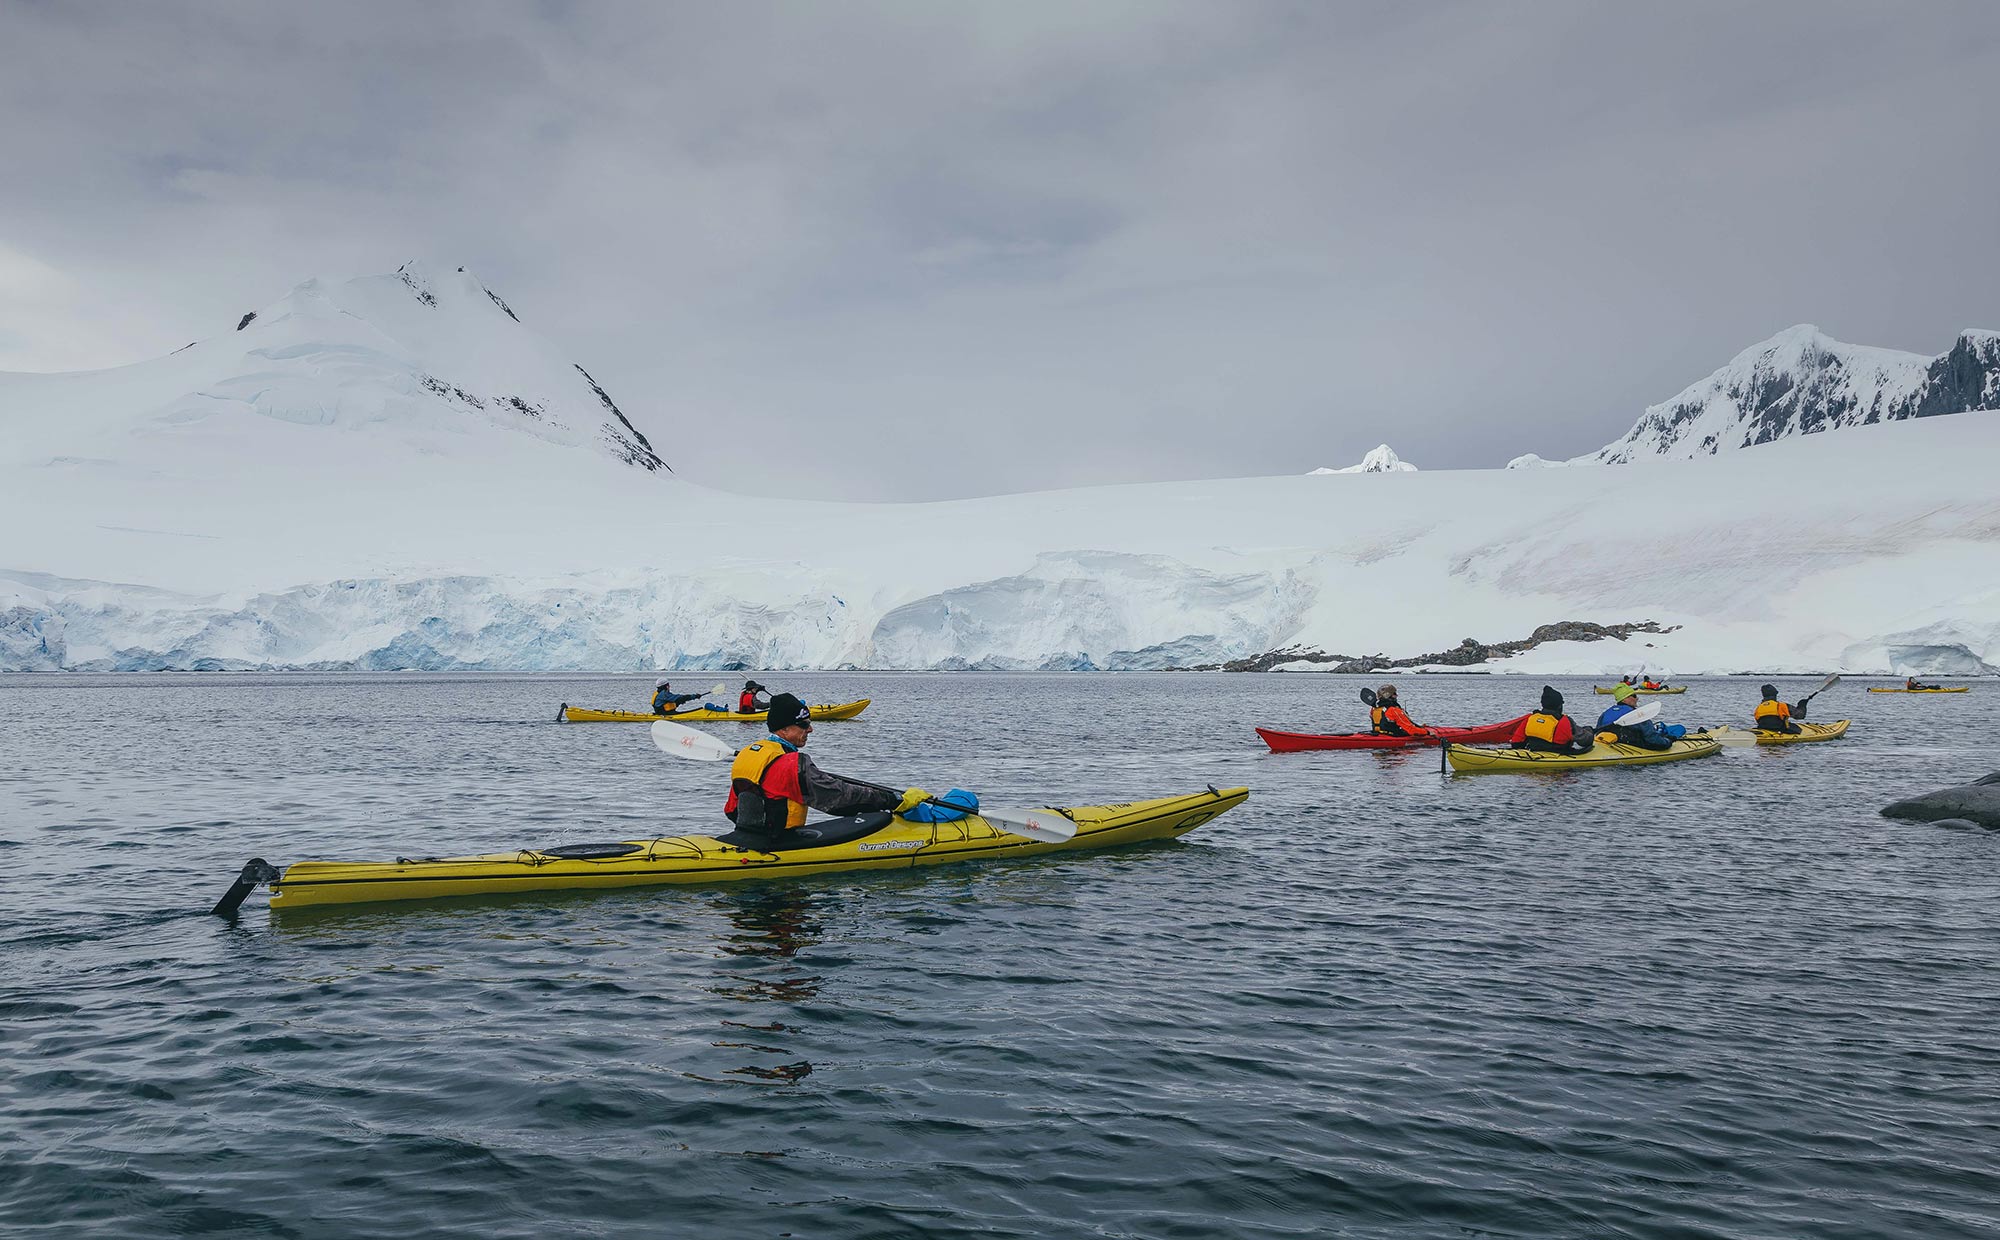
[[414, 362], [1800, 382], [401, 527]]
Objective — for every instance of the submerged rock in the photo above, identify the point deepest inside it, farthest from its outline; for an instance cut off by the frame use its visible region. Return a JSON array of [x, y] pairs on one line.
[[1975, 803]]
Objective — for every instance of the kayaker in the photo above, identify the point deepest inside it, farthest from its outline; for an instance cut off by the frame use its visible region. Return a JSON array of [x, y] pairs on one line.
[[1773, 715], [751, 702], [1916, 686], [1388, 718], [1548, 730], [1650, 733], [1650, 683], [666, 701], [772, 783]]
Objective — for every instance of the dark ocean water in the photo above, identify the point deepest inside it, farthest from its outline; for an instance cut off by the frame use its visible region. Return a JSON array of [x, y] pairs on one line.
[[1716, 998]]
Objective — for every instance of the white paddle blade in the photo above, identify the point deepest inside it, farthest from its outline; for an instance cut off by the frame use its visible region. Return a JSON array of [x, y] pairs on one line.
[[1730, 737], [1651, 710], [1036, 824], [683, 741]]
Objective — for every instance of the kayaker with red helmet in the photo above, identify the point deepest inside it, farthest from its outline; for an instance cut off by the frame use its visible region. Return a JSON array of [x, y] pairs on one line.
[[1387, 717], [1548, 730], [1774, 716], [772, 783], [666, 701], [750, 703]]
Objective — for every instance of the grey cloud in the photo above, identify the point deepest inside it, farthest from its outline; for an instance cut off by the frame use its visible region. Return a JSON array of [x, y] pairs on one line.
[[831, 248]]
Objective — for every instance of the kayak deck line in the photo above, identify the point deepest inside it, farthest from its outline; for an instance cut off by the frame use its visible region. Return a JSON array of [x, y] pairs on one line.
[[865, 842]]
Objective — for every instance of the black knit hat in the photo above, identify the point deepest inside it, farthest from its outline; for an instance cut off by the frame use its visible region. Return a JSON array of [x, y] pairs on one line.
[[1552, 702], [787, 710], [1770, 692], [751, 684]]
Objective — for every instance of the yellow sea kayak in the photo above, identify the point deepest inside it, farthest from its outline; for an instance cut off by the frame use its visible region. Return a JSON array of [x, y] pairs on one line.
[[863, 842], [1957, 689], [1476, 759], [1644, 692], [1808, 732], [820, 714]]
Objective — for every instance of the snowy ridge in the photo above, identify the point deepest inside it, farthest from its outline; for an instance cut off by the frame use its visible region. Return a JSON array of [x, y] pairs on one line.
[[1806, 555], [1380, 460], [416, 360], [1801, 382]]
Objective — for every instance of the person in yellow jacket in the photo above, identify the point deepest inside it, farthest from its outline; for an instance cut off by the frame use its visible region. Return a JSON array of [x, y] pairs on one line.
[[772, 783], [1773, 715]]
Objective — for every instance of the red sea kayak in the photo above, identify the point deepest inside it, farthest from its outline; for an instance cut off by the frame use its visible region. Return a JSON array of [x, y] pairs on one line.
[[1298, 742]]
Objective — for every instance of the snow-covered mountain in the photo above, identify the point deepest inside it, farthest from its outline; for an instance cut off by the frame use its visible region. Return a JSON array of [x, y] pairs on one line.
[[301, 498], [417, 362], [1800, 382], [1380, 460]]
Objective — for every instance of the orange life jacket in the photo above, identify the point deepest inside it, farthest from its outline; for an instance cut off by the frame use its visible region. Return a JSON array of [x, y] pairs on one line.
[[1775, 711]]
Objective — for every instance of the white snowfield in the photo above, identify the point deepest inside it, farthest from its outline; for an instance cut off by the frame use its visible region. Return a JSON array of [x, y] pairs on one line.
[[402, 528]]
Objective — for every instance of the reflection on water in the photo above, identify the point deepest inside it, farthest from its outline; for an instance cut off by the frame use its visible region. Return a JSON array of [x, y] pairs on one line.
[[770, 922]]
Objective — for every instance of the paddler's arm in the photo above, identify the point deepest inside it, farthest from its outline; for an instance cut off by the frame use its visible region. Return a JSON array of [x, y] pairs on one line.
[[830, 794]]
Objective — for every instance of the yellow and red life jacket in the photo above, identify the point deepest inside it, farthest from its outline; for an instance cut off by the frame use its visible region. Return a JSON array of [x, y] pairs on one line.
[[1541, 727], [1775, 711], [764, 789]]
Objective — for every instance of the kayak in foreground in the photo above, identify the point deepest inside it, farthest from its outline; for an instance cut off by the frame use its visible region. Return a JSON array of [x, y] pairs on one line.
[[1641, 692], [1299, 742], [1475, 760], [1955, 689], [1808, 733], [706, 714], [863, 842]]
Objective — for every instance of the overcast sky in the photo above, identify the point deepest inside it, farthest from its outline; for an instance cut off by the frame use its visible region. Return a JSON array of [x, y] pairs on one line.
[[865, 250]]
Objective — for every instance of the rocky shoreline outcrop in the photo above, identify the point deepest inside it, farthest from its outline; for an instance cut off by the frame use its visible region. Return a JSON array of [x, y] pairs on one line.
[[1468, 653]]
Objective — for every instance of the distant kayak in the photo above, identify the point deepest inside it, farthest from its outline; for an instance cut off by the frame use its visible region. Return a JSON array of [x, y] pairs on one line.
[[1643, 692], [820, 714], [1959, 689], [1471, 760], [1807, 732], [1298, 742], [862, 842]]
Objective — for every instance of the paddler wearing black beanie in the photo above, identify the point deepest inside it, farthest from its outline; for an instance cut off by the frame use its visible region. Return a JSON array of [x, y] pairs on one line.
[[1774, 716], [1548, 730], [772, 783]]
